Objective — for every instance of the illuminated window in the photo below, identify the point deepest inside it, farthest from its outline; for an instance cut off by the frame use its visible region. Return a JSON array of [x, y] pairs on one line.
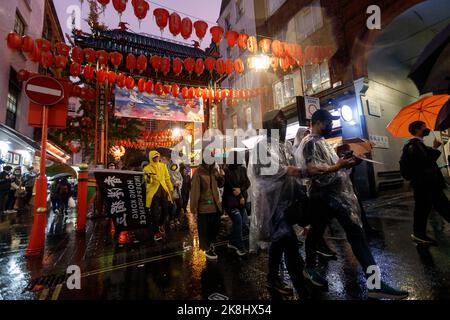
[[316, 77], [283, 92], [12, 100]]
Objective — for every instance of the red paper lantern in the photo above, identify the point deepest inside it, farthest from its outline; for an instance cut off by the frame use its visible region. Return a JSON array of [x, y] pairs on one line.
[[112, 76], [265, 45], [131, 62], [141, 8], [104, 3], [191, 93], [156, 62], [35, 55], [159, 89], [217, 34], [210, 63], [74, 146], [47, 59], [274, 63], [120, 6], [14, 41], [277, 49], [88, 72], [44, 45], [77, 55], [252, 44], [102, 57], [101, 76], [189, 64], [130, 83], [232, 37], [61, 62], [23, 75], [198, 92], [167, 88], [121, 80], [185, 93], [177, 66], [175, 91], [239, 66], [175, 24], [199, 67], [141, 63], [86, 122], [162, 17], [229, 66], [149, 87], [220, 66], [218, 95], [205, 94], [242, 40], [165, 65], [91, 94], [62, 49], [186, 28], [200, 29], [90, 55], [116, 59], [141, 85], [27, 44]]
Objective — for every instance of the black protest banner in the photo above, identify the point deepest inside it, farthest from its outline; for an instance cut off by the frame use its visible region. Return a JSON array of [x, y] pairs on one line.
[[124, 195]]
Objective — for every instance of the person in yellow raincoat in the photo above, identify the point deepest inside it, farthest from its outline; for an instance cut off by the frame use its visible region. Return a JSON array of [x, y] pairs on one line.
[[159, 193]]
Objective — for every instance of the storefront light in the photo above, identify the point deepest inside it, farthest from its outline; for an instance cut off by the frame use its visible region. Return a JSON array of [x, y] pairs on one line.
[[4, 147], [259, 62], [346, 113], [176, 133]]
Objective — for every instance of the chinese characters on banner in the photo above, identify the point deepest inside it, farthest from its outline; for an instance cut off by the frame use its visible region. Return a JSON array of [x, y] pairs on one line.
[[124, 195]]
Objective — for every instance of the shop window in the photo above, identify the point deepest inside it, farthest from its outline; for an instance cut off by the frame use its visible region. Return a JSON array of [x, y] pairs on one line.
[[19, 25], [316, 77], [12, 100], [273, 5], [308, 20], [283, 92]]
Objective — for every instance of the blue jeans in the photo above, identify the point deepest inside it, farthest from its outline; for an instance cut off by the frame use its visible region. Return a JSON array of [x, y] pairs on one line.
[[239, 218]]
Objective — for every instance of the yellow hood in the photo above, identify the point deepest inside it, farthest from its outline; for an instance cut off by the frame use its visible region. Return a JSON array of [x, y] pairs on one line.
[[153, 154]]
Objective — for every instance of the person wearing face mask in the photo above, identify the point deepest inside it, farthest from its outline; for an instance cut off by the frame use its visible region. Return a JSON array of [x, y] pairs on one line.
[[273, 179], [332, 196], [418, 164]]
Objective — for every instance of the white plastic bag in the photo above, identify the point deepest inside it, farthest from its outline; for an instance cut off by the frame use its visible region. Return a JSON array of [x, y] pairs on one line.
[[72, 203]]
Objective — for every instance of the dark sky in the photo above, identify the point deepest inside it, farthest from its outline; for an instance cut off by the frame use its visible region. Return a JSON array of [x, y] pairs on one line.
[[207, 10]]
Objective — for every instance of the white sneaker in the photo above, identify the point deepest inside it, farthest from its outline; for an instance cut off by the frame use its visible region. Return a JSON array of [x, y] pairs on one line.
[[241, 253], [230, 246]]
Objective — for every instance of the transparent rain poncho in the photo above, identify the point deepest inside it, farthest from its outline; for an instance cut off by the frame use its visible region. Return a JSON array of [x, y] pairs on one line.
[[336, 187], [272, 190]]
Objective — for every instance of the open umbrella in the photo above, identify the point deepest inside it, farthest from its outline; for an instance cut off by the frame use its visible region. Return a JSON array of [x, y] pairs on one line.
[[443, 119], [425, 109], [431, 72]]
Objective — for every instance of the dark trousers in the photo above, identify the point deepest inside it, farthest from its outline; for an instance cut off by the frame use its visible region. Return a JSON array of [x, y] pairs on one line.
[[11, 202], [29, 195], [208, 229], [55, 203], [159, 211], [287, 245], [323, 209], [185, 197], [63, 205], [425, 199], [175, 211], [236, 236], [3, 200]]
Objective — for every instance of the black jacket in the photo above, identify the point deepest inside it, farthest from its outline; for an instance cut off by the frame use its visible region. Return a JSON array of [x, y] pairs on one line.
[[424, 169], [235, 177]]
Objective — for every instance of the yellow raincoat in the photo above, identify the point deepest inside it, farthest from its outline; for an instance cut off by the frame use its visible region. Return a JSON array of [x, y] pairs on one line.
[[156, 174]]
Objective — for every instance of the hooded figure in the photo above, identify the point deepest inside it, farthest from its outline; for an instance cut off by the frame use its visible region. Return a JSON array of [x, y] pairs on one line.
[[157, 175]]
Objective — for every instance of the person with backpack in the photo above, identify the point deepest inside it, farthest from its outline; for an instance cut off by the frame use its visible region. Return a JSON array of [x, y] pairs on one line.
[[418, 165], [63, 191]]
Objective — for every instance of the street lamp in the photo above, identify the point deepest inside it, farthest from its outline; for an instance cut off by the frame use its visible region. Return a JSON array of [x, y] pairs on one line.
[[259, 62]]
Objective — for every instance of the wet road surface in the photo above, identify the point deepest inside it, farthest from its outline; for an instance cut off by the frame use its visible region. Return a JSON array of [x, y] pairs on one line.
[[117, 266]]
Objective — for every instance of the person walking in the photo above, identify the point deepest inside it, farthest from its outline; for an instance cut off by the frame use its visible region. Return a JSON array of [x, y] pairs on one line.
[[206, 206], [234, 201], [54, 198], [418, 164], [186, 187], [29, 179], [159, 193], [5, 186], [64, 191], [177, 181], [332, 196]]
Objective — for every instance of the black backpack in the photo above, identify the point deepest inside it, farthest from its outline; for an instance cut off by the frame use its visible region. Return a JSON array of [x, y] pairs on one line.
[[406, 169]]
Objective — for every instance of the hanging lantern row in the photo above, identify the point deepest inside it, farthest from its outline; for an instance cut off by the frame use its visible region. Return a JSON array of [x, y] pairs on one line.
[[147, 144]]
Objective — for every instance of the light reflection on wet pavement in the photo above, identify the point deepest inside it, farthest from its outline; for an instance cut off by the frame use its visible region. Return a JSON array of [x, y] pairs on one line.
[[177, 269]]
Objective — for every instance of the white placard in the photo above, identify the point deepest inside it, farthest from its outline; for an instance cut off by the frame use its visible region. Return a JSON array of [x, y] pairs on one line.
[[381, 142], [311, 105], [373, 108]]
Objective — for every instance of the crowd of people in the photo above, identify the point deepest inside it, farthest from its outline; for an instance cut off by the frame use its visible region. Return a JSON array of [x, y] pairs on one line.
[[312, 185], [16, 189]]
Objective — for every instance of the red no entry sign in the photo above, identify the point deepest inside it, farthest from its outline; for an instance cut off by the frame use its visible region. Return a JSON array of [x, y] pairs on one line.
[[44, 90]]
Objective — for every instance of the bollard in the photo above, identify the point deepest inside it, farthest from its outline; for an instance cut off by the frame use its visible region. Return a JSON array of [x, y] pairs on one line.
[[82, 197]]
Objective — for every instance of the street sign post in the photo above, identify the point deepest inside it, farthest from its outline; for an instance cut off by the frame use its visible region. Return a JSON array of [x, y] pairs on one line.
[[45, 91]]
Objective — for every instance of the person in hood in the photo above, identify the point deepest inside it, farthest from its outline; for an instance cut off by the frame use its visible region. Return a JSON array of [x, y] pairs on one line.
[[332, 196], [274, 179], [177, 181], [426, 179], [234, 200], [206, 206], [159, 193]]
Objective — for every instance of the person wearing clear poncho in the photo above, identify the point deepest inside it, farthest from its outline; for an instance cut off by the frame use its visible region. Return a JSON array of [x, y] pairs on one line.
[[273, 179], [332, 196]]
